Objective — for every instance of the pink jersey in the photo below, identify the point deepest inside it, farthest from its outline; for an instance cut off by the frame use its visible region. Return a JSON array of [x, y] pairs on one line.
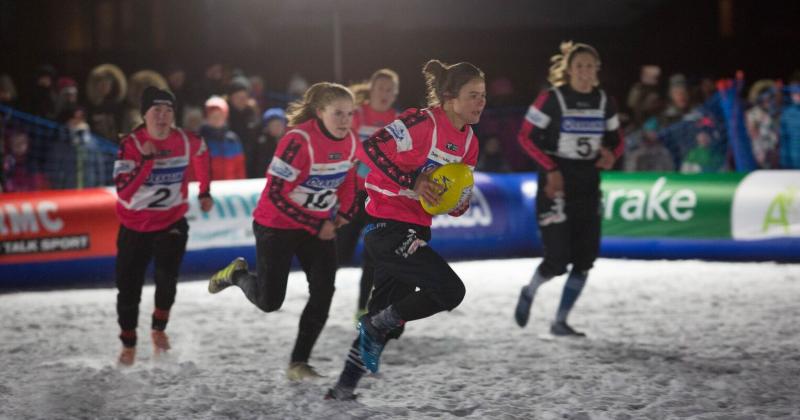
[[366, 121], [309, 175], [152, 193], [397, 154]]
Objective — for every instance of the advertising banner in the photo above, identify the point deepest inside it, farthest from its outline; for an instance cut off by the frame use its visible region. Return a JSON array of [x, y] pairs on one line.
[[668, 205], [57, 225], [69, 237], [767, 205]]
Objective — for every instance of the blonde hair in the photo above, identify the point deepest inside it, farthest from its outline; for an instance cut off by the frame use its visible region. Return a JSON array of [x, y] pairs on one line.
[[560, 62], [385, 74], [316, 97], [361, 90], [443, 81]]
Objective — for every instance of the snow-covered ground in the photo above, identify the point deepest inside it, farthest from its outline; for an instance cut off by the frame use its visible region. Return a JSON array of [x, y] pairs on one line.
[[667, 339]]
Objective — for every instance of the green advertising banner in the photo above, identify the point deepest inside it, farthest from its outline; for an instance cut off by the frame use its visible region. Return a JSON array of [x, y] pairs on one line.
[[668, 205]]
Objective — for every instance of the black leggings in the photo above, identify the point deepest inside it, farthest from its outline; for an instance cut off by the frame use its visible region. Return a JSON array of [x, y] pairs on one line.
[[275, 249], [134, 252], [575, 240], [346, 241], [404, 263]]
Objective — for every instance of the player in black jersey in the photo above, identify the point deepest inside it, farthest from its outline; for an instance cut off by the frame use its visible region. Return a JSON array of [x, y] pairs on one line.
[[572, 132]]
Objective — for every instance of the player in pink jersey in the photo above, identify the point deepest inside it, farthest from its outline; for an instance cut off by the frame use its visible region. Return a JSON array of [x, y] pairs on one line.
[[310, 191], [412, 281], [151, 178], [375, 112]]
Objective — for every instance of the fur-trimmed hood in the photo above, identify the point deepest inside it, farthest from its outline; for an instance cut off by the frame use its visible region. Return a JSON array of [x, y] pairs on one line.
[[103, 71]]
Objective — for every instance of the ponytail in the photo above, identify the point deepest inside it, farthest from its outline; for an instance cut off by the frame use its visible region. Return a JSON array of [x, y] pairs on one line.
[[443, 81], [316, 97]]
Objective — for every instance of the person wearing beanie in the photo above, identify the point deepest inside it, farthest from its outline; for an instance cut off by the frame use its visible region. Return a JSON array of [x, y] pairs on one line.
[[150, 174], [225, 148], [273, 127], [66, 96]]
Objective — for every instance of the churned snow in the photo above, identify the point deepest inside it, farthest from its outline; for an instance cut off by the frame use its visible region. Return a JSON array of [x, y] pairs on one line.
[[667, 339]]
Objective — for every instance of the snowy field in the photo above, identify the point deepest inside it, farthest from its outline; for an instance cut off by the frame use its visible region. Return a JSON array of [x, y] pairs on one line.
[[669, 340]]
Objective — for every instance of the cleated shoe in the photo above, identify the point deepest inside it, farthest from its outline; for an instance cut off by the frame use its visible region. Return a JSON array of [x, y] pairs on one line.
[[339, 394], [563, 330], [370, 344], [160, 341], [299, 371], [523, 311], [224, 278], [127, 356]]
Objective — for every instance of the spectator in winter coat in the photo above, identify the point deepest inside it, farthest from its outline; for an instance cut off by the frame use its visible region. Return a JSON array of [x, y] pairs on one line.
[[272, 129], [105, 91], [762, 123], [20, 171], [75, 159], [703, 158], [227, 156], [650, 155], [42, 99], [790, 128], [243, 120], [679, 101]]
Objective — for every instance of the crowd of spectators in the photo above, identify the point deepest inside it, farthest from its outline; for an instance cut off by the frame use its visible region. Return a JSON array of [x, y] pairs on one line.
[[684, 130], [62, 134]]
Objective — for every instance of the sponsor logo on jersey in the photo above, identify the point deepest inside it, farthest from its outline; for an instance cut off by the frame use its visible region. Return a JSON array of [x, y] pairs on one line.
[[537, 117], [283, 170], [324, 182], [583, 125], [452, 147], [399, 131], [334, 156], [161, 176], [123, 167]]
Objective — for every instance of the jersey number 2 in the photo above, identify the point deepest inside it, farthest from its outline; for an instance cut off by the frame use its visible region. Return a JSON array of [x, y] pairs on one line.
[[161, 195]]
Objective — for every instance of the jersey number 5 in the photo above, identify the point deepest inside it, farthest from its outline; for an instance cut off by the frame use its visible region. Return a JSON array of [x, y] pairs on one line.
[[584, 148]]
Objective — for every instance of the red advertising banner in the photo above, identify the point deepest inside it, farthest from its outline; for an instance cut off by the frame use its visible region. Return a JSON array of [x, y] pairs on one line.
[[57, 225]]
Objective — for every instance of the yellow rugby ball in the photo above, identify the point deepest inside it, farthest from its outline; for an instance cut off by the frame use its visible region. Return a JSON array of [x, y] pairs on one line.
[[456, 178]]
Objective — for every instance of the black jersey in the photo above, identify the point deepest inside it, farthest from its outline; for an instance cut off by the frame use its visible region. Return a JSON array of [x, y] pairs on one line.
[[564, 130]]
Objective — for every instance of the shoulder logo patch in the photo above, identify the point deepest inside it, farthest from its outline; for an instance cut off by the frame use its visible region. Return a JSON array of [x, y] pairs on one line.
[[399, 131]]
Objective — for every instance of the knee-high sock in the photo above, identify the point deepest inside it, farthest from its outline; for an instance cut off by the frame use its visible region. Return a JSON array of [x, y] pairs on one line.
[[537, 280], [353, 371], [572, 290]]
